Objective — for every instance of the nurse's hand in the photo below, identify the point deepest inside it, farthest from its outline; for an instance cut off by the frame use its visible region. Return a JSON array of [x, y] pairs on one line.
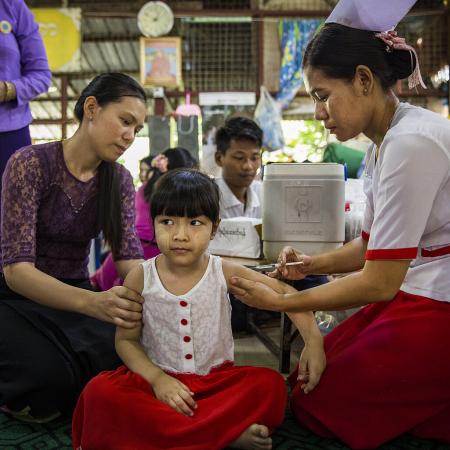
[[256, 294], [294, 272]]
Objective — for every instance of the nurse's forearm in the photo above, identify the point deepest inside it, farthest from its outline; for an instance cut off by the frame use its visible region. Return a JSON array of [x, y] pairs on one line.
[[378, 281], [347, 292], [348, 258]]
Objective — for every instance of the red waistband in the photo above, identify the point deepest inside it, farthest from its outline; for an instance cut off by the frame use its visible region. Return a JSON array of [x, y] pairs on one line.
[[438, 252]]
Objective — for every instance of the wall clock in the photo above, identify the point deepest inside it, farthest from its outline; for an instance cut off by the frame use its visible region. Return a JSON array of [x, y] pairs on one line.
[[155, 19]]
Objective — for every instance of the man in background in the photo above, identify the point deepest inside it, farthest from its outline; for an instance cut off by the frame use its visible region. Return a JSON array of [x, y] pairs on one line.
[[238, 153]]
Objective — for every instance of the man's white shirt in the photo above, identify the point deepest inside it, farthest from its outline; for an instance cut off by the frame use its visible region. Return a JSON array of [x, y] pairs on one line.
[[231, 206]]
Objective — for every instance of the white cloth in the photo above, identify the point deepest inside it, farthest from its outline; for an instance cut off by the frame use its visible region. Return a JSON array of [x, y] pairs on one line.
[[189, 333], [231, 206], [407, 213]]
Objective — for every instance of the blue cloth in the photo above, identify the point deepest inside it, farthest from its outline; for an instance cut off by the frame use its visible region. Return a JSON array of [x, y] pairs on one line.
[[23, 61], [310, 281], [294, 37]]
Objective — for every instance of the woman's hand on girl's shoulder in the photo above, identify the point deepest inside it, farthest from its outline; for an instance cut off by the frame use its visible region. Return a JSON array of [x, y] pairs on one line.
[[119, 305], [174, 393]]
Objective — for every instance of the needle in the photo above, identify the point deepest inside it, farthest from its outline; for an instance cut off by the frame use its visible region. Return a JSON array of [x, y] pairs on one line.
[[276, 265], [296, 263]]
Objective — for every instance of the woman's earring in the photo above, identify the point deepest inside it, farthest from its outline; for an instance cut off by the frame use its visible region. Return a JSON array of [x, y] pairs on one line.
[[365, 91]]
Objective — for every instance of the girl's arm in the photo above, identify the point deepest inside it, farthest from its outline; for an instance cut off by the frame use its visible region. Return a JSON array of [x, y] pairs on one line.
[[119, 305], [128, 346], [313, 361], [305, 322]]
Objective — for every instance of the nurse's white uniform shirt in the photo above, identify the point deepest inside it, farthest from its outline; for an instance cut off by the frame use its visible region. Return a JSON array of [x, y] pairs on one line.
[[407, 212]]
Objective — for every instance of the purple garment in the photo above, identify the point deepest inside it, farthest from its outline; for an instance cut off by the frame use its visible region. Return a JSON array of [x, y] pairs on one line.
[[49, 216], [107, 276], [144, 223], [23, 61]]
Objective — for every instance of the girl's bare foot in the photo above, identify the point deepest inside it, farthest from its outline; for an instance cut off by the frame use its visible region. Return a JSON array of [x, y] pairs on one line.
[[255, 437]]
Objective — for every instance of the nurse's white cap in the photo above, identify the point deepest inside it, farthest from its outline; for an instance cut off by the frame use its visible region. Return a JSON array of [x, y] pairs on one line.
[[380, 16], [371, 15]]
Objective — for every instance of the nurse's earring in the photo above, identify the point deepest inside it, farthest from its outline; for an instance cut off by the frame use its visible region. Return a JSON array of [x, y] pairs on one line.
[[365, 91]]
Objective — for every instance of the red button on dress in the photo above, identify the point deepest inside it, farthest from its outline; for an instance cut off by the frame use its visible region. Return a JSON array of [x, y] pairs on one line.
[[183, 303], [188, 356], [184, 322], [187, 339]]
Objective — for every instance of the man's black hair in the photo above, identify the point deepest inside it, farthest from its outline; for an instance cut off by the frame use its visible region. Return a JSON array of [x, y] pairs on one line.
[[238, 128]]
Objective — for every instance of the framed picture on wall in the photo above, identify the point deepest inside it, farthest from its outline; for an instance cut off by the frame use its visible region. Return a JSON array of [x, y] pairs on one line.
[[161, 61]]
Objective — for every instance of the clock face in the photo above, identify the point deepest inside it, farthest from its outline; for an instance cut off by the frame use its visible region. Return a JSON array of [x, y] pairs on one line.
[[155, 19]]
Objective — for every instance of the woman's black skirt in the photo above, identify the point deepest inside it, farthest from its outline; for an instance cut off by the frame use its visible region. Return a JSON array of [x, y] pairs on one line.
[[48, 355]]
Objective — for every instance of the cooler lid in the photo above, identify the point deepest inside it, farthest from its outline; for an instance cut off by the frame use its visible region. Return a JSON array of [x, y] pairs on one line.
[[326, 170]]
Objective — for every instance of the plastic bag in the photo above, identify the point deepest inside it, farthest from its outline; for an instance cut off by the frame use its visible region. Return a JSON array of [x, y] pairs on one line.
[[268, 117]]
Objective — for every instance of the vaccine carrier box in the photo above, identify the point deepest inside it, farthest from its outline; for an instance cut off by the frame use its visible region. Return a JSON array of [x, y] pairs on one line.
[[304, 207]]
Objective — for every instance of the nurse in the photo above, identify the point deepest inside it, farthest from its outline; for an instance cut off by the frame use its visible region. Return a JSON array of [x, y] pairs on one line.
[[388, 369]]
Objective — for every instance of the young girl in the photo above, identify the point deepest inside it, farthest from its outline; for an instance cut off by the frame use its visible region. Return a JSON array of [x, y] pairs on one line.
[[179, 388]]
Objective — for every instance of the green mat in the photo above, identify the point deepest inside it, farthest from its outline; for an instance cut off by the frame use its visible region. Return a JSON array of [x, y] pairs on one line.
[[16, 435]]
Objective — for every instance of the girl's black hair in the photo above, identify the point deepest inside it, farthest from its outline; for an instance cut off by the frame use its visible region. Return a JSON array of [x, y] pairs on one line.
[[337, 50], [109, 88], [178, 158], [186, 193]]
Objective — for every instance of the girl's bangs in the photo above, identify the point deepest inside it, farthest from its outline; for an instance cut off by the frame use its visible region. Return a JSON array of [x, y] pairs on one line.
[[186, 199]]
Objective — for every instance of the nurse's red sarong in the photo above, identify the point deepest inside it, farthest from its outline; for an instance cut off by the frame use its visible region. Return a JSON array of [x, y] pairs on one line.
[[118, 411], [388, 373]]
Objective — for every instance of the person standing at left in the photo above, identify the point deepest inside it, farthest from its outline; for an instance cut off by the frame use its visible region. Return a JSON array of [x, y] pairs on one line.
[[24, 74]]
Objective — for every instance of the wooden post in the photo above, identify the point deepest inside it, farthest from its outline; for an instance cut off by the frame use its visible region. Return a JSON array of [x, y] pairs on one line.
[[64, 103]]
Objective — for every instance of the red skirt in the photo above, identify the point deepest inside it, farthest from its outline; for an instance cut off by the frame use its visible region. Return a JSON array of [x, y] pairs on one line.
[[388, 373], [118, 410]]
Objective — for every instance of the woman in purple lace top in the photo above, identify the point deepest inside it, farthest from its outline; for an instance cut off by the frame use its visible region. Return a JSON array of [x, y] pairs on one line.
[[55, 334]]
